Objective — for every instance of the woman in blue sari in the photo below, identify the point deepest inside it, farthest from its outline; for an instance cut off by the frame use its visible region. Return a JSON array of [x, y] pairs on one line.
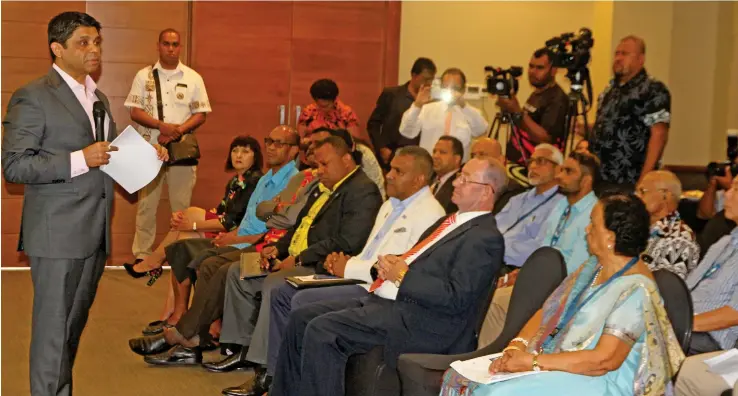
[[603, 331]]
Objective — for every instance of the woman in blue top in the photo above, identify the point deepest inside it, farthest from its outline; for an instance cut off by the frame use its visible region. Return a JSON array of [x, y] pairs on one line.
[[603, 331]]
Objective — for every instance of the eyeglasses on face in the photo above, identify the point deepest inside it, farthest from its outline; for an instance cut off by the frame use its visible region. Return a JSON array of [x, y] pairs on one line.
[[464, 179], [277, 144], [540, 161]]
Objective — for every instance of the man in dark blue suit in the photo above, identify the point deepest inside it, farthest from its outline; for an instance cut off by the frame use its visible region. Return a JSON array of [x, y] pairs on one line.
[[440, 282]]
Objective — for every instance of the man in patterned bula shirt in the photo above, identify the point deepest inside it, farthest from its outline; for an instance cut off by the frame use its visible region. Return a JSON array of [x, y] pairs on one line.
[[672, 245], [633, 117]]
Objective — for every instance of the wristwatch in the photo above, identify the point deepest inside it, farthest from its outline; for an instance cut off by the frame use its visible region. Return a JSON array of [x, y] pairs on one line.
[[400, 277], [536, 367]]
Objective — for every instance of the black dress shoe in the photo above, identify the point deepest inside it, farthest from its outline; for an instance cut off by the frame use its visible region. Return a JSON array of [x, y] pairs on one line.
[[255, 387], [177, 356], [236, 361], [151, 345]]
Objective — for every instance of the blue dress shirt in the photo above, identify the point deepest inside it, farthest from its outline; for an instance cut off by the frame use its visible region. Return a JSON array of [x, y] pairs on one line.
[[572, 242]]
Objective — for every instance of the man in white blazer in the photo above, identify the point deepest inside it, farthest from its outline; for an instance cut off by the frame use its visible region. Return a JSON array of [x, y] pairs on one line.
[[402, 219]]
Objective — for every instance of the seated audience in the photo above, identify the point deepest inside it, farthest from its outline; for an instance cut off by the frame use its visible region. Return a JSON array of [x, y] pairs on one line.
[[672, 245], [714, 287], [603, 331], [447, 155], [185, 256], [246, 160], [337, 217], [487, 148], [522, 219], [442, 281], [695, 379], [450, 116], [409, 211], [363, 155]]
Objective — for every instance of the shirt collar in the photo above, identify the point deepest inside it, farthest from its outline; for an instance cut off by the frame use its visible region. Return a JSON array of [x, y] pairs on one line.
[[666, 222], [586, 202], [442, 180], [407, 201], [283, 173], [638, 79], [89, 84], [734, 237], [551, 191], [177, 69]]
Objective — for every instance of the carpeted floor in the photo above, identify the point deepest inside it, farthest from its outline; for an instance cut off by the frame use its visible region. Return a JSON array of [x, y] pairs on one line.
[[105, 365]]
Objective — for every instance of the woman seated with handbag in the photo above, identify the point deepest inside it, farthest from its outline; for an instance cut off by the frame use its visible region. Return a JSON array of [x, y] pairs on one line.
[[245, 158], [603, 331]]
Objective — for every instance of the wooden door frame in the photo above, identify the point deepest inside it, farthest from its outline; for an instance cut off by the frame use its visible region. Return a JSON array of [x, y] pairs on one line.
[[392, 42]]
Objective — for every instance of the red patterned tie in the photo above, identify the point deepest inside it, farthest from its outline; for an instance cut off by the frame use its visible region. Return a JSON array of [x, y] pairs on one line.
[[415, 249]]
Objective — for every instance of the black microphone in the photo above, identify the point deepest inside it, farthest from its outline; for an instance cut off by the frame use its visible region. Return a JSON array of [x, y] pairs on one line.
[[98, 114]]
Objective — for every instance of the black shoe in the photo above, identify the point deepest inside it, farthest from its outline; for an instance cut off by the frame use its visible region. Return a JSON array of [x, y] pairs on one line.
[[209, 345], [132, 272], [151, 345], [177, 356], [155, 328], [236, 361], [255, 387]]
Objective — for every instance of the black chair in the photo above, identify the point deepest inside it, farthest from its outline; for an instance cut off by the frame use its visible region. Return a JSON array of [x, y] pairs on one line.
[[678, 304], [717, 227], [368, 375], [421, 374]]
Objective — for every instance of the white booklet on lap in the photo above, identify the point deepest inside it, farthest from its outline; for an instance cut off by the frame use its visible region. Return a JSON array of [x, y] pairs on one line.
[[725, 365], [477, 370]]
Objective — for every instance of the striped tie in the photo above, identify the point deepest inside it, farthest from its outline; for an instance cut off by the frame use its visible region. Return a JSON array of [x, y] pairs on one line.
[[418, 247], [447, 123]]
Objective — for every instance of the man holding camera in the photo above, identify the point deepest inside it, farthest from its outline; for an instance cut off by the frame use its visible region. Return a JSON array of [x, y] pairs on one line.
[[633, 117], [543, 117], [450, 116]]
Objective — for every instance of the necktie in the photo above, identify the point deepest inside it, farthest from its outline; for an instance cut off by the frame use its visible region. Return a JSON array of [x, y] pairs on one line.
[[436, 185], [447, 124], [419, 246]]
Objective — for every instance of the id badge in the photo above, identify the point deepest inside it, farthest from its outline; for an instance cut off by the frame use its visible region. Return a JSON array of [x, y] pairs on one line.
[[180, 93]]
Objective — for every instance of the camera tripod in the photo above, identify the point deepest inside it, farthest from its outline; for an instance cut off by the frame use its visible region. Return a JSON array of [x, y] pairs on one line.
[[579, 80], [505, 118]]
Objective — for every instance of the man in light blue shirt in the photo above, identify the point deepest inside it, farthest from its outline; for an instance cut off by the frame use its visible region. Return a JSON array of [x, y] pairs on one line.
[[714, 287], [565, 227], [521, 220]]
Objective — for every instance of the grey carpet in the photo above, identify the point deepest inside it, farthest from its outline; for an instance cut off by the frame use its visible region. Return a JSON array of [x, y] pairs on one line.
[[105, 365]]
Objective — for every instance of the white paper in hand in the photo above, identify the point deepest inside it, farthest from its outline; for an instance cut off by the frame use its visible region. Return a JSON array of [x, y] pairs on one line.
[[135, 164], [477, 370]]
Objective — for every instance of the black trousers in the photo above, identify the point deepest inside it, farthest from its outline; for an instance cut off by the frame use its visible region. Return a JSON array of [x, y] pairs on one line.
[[702, 343], [63, 292], [320, 338], [207, 303]]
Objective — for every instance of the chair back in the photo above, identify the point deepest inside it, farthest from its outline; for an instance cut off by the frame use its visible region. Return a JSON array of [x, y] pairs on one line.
[[541, 274], [678, 304]]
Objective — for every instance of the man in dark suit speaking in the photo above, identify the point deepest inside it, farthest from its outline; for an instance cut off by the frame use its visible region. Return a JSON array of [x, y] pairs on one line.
[[50, 144], [442, 281]]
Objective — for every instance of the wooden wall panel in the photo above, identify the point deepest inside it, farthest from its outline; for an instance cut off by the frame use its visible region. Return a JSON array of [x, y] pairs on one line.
[[242, 50]]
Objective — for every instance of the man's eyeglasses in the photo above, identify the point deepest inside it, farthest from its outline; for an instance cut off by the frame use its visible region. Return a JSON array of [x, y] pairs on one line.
[[644, 191], [277, 144], [540, 161], [464, 179]]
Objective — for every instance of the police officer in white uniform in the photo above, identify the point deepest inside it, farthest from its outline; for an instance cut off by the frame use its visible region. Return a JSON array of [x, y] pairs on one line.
[[185, 104]]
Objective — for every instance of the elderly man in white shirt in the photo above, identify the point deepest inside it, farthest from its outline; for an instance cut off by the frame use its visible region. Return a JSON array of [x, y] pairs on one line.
[[402, 219], [449, 116], [184, 105]]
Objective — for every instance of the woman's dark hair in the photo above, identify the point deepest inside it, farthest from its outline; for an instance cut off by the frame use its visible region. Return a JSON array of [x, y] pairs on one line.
[[627, 217], [62, 26], [246, 141], [324, 89]]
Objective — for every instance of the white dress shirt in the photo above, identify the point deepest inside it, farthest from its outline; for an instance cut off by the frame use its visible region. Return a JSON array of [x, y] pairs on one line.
[[85, 93], [183, 94], [430, 122]]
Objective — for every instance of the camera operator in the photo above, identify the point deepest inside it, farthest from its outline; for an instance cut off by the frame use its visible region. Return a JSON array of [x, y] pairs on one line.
[[712, 200], [543, 117], [633, 116], [450, 116]]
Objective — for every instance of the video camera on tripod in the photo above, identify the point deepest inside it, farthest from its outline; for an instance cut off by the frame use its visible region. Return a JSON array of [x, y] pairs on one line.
[[573, 52], [503, 82]]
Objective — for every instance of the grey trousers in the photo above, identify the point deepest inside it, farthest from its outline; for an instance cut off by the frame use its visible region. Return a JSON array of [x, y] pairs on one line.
[[244, 323], [63, 292]]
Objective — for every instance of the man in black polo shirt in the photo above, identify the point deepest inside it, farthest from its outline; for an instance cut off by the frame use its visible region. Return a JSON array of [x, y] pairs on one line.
[[384, 123], [543, 117], [633, 116]]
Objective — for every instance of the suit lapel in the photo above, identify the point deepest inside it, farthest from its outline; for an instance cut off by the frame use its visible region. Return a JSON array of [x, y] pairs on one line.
[[64, 94], [334, 196], [459, 231]]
